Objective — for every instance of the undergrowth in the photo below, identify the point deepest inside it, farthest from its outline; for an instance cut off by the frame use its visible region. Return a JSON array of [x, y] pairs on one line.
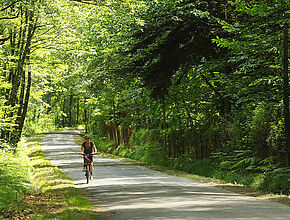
[[15, 177]]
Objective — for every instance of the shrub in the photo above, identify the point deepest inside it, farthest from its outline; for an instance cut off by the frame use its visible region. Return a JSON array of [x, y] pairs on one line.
[[16, 177], [187, 163], [43, 124], [278, 181], [139, 137], [150, 153], [260, 129]]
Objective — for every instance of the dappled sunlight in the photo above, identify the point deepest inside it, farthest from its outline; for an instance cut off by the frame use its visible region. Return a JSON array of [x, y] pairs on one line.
[[127, 191], [165, 196], [196, 89]]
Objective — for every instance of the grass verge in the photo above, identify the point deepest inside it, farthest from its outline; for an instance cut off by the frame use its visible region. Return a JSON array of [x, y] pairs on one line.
[[55, 196], [15, 179]]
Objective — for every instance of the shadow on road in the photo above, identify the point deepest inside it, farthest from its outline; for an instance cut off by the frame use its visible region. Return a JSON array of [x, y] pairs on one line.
[[132, 192]]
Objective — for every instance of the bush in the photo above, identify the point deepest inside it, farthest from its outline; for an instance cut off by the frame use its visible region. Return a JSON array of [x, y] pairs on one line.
[[260, 129], [150, 153], [43, 124], [233, 177], [139, 137], [102, 143], [16, 177], [187, 163], [277, 181]]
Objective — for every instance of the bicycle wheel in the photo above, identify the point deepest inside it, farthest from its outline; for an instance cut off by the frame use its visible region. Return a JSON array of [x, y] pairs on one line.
[[87, 173]]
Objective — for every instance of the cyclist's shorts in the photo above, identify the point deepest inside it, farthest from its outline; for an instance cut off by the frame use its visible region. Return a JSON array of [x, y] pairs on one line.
[[90, 157]]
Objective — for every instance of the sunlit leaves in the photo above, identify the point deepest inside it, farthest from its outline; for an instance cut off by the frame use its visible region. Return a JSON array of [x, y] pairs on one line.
[[255, 46]]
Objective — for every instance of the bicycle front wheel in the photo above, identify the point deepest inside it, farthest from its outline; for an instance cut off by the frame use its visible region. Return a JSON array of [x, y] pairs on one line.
[[87, 173]]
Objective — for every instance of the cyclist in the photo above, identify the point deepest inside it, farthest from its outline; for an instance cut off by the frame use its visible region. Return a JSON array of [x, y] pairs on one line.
[[88, 147]]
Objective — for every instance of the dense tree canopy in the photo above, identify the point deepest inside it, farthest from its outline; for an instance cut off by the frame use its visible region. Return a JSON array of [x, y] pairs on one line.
[[165, 79]]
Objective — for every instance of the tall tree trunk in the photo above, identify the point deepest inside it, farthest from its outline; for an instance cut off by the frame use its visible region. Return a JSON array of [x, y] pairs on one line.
[[63, 112], [85, 117], [21, 49], [78, 110], [24, 57], [13, 77], [286, 95], [25, 106], [70, 108], [115, 126], [164, 126]]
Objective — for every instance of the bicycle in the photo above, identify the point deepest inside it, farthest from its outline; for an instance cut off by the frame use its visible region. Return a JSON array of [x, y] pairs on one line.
[[87, 166]]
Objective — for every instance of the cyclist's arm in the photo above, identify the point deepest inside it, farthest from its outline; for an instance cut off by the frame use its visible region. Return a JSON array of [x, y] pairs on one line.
[[82, 148], [94, 149]]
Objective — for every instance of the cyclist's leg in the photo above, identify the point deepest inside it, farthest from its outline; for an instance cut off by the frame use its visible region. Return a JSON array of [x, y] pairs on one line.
[[91, 165], [84, 165]]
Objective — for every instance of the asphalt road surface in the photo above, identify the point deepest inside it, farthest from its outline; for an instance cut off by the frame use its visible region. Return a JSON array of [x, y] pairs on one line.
[[128, 191]]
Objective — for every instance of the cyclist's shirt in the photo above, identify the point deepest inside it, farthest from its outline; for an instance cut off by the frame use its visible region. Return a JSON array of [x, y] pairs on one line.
[[89, 149]]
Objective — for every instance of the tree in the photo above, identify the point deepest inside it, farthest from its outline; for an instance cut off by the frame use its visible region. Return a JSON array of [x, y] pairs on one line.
[[18, 29], [255, 50], [286, 93], [175, 34], [29, 29]]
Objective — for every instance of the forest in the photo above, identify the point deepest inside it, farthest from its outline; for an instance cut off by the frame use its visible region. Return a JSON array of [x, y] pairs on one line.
[[195, 85]]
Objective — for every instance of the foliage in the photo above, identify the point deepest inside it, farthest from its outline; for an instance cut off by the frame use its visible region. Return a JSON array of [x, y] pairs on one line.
[[186, 83], [187, 163], [215, 69], [167, 41], [16, 177]]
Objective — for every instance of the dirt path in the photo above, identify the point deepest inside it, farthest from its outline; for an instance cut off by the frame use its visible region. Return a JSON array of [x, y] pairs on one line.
[[126, 191]]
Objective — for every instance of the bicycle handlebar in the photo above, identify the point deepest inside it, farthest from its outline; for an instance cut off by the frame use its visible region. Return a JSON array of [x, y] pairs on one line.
[[89, 154]]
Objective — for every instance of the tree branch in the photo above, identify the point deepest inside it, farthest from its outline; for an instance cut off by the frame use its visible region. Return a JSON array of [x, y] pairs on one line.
[[3, 18], [210, 85], [85, 2], [2, 41], [3, 9], [16, 16]]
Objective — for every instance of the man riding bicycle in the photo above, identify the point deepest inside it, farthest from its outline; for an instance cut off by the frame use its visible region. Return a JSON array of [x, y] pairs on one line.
[[88, 147]]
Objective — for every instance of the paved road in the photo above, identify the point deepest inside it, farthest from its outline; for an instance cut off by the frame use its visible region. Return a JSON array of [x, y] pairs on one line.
[[132, 192]]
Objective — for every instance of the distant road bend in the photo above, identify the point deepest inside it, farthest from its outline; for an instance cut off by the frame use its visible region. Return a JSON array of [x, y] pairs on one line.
[[127, 191]]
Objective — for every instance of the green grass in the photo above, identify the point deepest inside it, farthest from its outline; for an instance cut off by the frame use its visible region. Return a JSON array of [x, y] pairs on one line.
[[15, 178], [68, 214], [52, 196]]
